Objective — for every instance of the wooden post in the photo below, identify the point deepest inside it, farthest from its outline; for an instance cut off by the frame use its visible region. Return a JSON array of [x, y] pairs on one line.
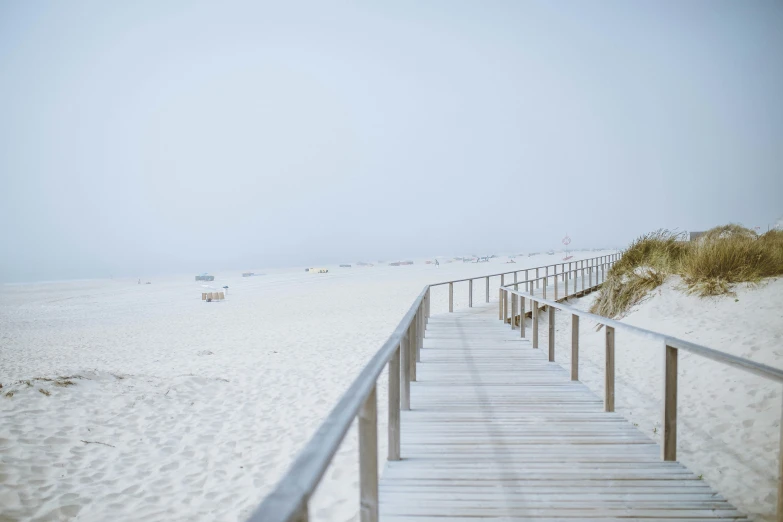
[[535, 323], [555, 288], [538, 281], [428, 305], [583, 280], [574, 347], [546, 275], [500, 304], [552, 332], [505, 305], [609, 372], [451, 297], [515, 280], [394, 406], [522, 315], [487, 279], [513, 310], [669, 442], [419, 335], [780, 474], [405, 367], [502, 279], [544, 290], [368, 458], [470, 293], [412, 350]]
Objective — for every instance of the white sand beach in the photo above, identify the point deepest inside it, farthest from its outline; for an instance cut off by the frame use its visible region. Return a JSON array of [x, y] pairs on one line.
[[186, 410]]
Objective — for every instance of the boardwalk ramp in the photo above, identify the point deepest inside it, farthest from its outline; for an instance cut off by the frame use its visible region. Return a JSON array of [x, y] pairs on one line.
[[498, 432]]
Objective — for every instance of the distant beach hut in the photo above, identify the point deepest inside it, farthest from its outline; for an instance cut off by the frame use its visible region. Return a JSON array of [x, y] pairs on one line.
[[205, 277]]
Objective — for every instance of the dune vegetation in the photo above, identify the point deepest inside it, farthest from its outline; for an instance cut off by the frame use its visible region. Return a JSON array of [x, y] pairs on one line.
[[711, 265]]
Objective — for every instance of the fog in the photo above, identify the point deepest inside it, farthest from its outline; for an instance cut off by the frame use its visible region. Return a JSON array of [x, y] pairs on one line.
[[171, 137]]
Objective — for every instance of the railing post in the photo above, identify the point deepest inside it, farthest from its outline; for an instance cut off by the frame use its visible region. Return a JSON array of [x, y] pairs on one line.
[[535, 323], [502, 279], [394, 406], [487, 279], [609, 371], [522, 315], [583, 280], [470, 293], [546, 276], [419, 334], [780, 474], [669, 442], [428, 305], [555, 287], [538, 281], [515, 280], [544, 290], [505, 305], [574, 347], [500, 304], [513, 310], [405, 367], [368, 458], [451, 297], [552, 332], [412, 350]]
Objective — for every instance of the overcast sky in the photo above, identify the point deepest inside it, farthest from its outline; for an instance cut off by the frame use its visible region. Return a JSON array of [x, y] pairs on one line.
[[154, 137]]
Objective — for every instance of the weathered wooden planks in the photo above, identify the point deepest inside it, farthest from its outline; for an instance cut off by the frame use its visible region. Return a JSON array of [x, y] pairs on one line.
[[496, 431]]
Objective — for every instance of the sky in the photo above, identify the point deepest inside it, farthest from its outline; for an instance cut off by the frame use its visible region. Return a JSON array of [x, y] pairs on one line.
[[171, 137]]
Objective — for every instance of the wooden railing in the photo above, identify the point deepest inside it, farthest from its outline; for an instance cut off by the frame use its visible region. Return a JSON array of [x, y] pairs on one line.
[[670, 347], [288, 501], [585, 264]]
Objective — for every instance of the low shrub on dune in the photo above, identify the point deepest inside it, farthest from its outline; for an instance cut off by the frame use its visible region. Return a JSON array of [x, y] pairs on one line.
[[712, 265]]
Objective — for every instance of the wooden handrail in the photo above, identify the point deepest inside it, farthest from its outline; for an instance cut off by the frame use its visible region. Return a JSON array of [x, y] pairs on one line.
[[517, 271], [592, 262], [737, 362], [671, 346], [287, 502]]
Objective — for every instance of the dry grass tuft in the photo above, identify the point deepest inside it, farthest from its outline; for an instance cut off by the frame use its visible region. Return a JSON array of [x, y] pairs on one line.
[[712, 265], [45, 392]]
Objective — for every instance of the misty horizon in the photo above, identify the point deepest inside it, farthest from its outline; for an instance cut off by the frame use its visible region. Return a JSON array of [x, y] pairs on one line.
[[186, 137]]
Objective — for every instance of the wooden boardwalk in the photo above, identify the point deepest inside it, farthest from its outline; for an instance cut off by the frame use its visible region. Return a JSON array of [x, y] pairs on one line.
[[496, 431]]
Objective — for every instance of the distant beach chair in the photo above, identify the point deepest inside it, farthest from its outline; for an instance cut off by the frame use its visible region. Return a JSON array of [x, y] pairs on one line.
[[212, 296]]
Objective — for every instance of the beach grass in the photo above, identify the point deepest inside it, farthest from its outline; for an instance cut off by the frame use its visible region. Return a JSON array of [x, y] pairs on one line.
[[712, 265]]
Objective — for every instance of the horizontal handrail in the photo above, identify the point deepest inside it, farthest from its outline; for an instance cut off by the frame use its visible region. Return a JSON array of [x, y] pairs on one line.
[[517, 271], [671, 346], [289, 497], [710, 353]]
